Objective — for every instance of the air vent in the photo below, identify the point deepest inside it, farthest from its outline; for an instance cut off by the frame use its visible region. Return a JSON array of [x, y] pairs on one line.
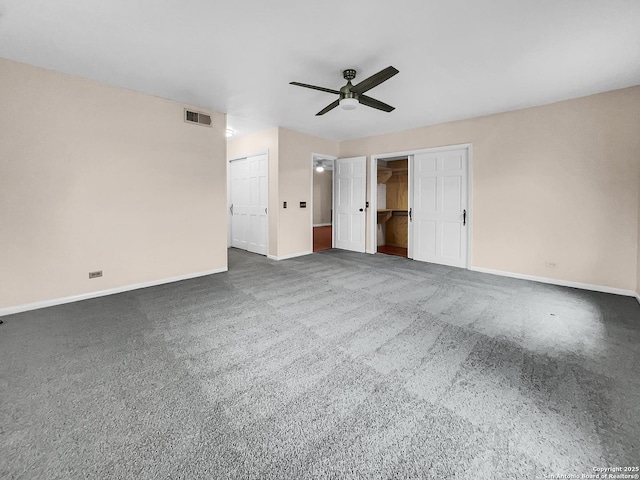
[[197, 117]]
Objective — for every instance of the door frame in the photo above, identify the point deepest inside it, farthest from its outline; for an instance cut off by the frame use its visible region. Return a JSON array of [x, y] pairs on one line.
[[242, 157], [373, 188], [315, 157]]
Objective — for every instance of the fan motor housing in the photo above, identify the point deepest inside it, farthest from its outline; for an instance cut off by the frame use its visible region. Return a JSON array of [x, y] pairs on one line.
[[345, 92], [349, 74]]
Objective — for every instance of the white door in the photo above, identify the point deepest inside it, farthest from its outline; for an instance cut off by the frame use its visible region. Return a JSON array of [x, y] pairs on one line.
[[349, 203], [249, 199], [440, 207], [239, 171]]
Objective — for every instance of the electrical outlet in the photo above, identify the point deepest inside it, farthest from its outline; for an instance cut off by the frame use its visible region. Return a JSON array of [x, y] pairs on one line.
[[551, 265], [95, 274], [284, 204]]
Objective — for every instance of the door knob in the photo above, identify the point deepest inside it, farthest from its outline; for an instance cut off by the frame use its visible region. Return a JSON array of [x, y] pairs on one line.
[[464, 218], [362, 209]]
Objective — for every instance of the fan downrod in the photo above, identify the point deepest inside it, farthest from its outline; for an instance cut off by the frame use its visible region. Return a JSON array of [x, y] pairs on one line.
[[349, 74]]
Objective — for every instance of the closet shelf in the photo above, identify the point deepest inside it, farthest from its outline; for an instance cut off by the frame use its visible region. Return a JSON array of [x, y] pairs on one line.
[[384, 214], [384, 174]]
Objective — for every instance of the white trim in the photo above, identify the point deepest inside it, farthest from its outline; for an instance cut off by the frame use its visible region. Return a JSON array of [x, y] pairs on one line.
[[554, 281], [638, 297], [322, 224], [228, 173], [102, 293], [242, 157], [410, 173], [291, 255], [470, 216], [268, 190], [373, 205], [406, 153]]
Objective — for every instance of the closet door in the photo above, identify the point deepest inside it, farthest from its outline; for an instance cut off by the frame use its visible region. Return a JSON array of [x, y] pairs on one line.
[[239, 171], [258, 200], [440, 207], [248, 209]]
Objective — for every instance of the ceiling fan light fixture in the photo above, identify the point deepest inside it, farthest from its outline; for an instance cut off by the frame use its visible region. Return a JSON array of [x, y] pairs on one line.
[[229, 132], [319, 167], [348, 103], [350, 96]]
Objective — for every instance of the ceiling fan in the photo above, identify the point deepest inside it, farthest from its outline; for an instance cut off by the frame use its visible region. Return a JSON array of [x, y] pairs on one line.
[[351, 95]]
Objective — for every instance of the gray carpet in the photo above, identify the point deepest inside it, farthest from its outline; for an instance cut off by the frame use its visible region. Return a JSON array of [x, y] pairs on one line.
[[334, 365]]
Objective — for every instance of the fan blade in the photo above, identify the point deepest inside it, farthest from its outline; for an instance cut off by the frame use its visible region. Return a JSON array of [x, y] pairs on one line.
[[331, 106], [374, 80], [373, 103], [322, 89]]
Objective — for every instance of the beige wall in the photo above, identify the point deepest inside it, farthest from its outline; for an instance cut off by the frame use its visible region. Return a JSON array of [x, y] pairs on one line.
[[556, 183], [101, 178], [296, 167], [322, 196], [290, 167], [256, 143]]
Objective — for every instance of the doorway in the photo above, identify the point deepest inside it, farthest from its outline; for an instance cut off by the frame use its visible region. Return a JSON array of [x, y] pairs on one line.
[[322, 204], [438, 193], [392, 232], [347, 214]]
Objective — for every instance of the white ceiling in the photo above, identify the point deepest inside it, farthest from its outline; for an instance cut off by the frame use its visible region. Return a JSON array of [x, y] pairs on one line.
[[457, 58]]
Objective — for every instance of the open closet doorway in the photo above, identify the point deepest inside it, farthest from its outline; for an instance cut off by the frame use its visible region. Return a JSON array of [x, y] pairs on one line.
[[322, 204], [436, 188], [392, 232]]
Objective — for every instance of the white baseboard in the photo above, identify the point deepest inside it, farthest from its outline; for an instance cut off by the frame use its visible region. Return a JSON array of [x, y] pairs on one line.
[[85, 296], [638, 297], [292, 255], [322, 224], [554, 281]]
